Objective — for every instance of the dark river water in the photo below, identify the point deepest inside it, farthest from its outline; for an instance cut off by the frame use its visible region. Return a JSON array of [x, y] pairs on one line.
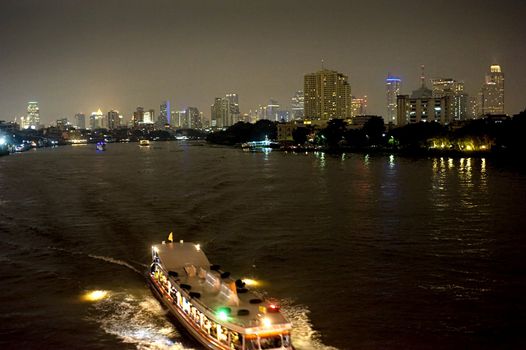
[[363, 252]]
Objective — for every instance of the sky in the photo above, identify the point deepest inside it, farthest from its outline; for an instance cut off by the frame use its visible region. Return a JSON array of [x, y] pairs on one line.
[[81, 55]]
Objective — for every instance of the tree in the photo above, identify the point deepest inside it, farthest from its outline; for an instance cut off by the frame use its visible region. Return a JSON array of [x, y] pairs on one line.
[[374, 129], [334, 132]]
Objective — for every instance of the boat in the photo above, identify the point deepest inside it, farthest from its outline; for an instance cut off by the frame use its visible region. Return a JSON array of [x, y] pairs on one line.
[[144, 142], [217, 310], [101, 146]]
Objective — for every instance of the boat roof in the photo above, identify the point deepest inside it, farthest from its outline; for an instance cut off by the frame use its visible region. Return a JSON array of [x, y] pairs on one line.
[[218, 291]]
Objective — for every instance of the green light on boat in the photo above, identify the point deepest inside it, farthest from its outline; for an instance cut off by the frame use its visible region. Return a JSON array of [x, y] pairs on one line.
[[223, 313]]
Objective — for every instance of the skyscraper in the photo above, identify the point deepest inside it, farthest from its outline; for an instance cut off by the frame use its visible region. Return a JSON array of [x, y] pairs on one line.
[[96, 120], [298, 105], [193, 118], [272, 110], [165, 113], [392, 87], [458, 99], [220, 116], [138, 116], [492, 92], [80, 121], [327, 95], [32, 120], [114, 120], [422, 106], [233, 101], [358, 106]]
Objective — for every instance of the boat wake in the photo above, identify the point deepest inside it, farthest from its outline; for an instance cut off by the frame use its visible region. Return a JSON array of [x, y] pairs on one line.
[[139, 321], [304, 337], [114, 261]]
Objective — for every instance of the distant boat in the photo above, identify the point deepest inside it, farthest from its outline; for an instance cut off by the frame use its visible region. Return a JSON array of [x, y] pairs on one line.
[[101, 146], [144, 142]]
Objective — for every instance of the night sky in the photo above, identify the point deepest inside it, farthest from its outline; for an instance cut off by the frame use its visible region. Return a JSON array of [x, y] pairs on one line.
[[78, 56]]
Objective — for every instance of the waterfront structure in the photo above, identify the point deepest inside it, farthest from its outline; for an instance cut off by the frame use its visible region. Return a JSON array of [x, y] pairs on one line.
[[327, 95], [422, 106], [114, 119], [80, 121], [62, 123], [358, 106], [96, 120], [491, 96], [32, 119], [458, 99], [392, 87]]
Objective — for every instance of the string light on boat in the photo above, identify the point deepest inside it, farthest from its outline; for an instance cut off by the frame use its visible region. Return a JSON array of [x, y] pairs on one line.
[[95, 295]]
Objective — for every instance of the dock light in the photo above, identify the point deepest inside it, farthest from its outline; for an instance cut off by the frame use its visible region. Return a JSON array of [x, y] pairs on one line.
[[266, 322], [95, 295]]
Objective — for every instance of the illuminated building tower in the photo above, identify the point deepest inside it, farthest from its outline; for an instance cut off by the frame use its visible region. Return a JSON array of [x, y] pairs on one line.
[[298, 105], [138, 116], [193, 118], [80, 121], [492, 92], [220, 116], [233, 101], [148, 117], [422, 106], [272, 110], [327, 95], [32, 120], [114, 120], [358, 106], [392, 87], [458, 99], [165, 114], [96, 120]]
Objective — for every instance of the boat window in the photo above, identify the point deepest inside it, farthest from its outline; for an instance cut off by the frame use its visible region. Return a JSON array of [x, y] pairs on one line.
[[286, 340], [251, 344], [271, 342]]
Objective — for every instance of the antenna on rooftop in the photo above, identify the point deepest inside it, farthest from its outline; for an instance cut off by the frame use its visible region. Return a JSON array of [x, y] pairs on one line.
[[423, 76]]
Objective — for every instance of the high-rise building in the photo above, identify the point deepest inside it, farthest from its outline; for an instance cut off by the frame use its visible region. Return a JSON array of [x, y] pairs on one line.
[[422, 106], [392, 87], [272, 110], [327, 95], [492, 92], [148, 117], [193, 118], [114, 120], [165, 114], [455, 90], [80, 121], [32, 120], [138, 116], [298, 105], [358, 106], [233, 101], [62, 123], [220, 116], [96, 120]]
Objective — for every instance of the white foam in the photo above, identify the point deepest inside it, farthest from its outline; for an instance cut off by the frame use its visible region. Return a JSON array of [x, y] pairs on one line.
[[136, 320]]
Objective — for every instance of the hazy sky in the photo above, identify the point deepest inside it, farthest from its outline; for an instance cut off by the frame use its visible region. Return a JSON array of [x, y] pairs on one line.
[[80, 55]]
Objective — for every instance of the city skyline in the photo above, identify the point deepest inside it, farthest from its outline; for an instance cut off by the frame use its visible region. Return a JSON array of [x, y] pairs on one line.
[[77, 57]]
